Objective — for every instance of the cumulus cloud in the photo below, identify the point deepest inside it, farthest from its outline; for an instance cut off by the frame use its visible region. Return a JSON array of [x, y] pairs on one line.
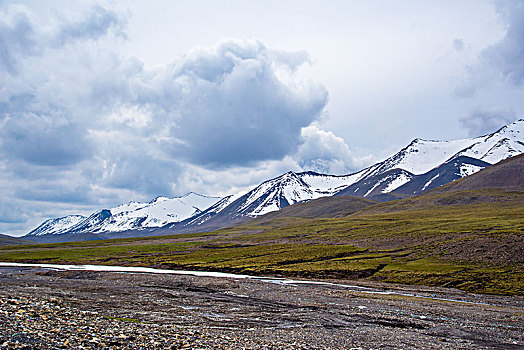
[[226, 105], [324, 152], [83, 125], [482, 121]]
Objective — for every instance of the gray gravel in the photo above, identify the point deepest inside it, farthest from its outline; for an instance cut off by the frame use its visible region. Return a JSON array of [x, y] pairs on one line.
[[45, 309]]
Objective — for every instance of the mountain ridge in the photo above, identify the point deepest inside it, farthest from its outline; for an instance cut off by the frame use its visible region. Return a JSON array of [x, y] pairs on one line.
[[417, 168], [130, 216]]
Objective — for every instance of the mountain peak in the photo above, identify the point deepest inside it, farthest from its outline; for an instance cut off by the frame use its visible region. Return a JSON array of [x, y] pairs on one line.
[[189, 194], [195, 195], [515, 127], [159, 199]]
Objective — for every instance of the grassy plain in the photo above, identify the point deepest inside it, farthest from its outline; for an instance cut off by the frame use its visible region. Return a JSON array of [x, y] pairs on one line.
[[472, 240]]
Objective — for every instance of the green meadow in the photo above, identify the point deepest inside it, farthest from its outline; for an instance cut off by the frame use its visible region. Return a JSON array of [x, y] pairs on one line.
[[473, 241]]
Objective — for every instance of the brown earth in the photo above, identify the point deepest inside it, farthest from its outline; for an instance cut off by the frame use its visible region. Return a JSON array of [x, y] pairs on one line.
[[44, 309]]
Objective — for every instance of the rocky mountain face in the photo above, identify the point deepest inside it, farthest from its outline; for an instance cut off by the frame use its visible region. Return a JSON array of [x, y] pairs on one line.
[[507, 175], [419, 167]]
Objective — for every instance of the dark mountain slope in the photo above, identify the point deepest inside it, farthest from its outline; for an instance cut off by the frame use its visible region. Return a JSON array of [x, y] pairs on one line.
[[376, 186], [326, 207], [8, 240], [454, 169], [507, 175]]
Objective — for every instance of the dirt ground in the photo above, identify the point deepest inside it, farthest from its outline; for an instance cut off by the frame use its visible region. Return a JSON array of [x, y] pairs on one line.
[[49, 309]]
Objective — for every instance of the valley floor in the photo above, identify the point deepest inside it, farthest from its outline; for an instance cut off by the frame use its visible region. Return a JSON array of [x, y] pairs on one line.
[[44, 309]]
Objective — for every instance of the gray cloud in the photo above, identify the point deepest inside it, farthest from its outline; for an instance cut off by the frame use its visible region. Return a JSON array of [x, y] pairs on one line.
[[507, 56], [10, 213], [138, 171], [481, 121], [82, 126], [16, 38], [227, 105], [500, 65], [42, 139], [97, 24], [458, 44], [50, 191], [20, 36]]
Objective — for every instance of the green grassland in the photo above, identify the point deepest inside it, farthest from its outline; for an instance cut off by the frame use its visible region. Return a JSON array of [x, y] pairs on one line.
[[472, 240]]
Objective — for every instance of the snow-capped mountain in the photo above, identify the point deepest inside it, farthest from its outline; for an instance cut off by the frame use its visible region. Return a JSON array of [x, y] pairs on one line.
[[399, 183], [131, 216], [420, 156], [415, 169], [56, 226], [269, 196], [288, 189], [159, 212], [419, 167], [454, 169]]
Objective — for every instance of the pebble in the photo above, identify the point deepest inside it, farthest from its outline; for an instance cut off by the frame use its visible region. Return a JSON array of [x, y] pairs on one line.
[[117, 311]]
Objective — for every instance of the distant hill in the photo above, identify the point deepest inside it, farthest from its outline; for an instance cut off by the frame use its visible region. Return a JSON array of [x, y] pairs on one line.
[[8, 240], [434, 201]]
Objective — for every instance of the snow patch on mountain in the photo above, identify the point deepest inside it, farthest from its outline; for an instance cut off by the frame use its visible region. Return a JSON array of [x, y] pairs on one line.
[[329, 184], [502, 144], [157, 213], [468, 169], [372, 188], [429, 182], [423, 155], [396, 182]]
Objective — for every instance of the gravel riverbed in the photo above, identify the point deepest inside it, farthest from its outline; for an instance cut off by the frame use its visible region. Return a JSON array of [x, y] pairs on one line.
[[53, 309]]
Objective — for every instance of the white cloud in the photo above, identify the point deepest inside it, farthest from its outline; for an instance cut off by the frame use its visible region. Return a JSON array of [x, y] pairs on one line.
[[324, 152]]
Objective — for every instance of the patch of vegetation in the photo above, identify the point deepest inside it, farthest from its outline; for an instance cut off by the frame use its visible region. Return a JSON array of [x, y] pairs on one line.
[[475, 245]]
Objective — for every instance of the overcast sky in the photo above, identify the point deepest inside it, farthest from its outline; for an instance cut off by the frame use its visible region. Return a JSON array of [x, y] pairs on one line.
[[103, 102]]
